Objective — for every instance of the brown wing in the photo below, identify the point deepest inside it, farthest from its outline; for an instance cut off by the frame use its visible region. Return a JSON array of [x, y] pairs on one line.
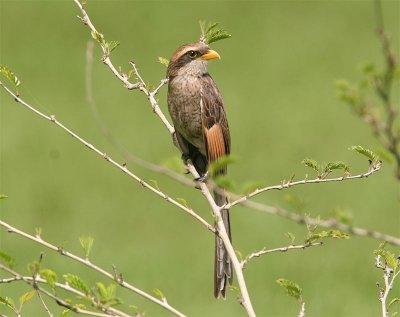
[[215, 125]]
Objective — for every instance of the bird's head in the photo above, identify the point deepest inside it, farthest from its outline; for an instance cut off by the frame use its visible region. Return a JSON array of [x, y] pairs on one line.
[[191, 59]]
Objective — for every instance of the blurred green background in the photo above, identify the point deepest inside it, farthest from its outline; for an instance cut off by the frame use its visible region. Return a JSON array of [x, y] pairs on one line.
[[277, 77]]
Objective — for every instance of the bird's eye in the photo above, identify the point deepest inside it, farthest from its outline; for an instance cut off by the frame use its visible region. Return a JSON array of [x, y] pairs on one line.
[[192, 54]]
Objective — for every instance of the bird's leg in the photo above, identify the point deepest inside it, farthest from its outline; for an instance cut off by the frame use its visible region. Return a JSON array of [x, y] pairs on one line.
[[175, 140], [185, 158]]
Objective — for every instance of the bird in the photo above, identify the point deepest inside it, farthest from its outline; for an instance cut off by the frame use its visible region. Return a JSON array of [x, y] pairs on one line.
[[201, 130]]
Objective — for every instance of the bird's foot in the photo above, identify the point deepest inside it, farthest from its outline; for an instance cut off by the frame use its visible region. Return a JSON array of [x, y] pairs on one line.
[[185, 157], [202, 178]]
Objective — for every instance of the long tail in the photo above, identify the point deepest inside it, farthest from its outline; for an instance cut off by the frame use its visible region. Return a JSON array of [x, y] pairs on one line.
[[222, 265]]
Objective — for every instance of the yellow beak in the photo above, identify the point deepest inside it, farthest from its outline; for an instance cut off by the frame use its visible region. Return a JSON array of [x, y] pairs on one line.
[[211, 54]]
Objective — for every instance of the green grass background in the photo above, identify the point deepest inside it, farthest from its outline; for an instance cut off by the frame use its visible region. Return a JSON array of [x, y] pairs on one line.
[[277, 78]]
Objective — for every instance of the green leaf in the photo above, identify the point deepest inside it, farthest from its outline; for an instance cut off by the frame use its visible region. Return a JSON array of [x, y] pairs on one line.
[[136, 310], [163, 61], [34, 267], [343, 215], [217, 35], [3, 196], [296, 202], [292, 289], [206, 27], [290, 236], [107, 294], [98, 37], [393, 301], [112, 46], [6, 259], [339, 165], [76, 282], [50, 276], [154, 184], [337, 234], [86, 244], [218, 165], [224, 181], [102, 291], [210, 33], [65, 313], [182, 201], [385, 155], [9, 75], [38, 231], [158, 293], [250, 187], [383, 244], [389, 257], [8, 302], [368, 68], [342, 84], [173, 163], [239, 254], [26, 297], [373, 158], [311, 164]]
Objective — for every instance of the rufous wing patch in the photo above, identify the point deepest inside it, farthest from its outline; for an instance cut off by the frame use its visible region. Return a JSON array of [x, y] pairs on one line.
[[215, 144]]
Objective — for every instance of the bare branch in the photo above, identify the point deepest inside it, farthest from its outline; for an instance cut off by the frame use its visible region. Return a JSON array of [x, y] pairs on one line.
[[389, 276], [32, 282], [245, 300], [94, 267], [127, 156], [122, 77], [284, 249], [302, 312], [42, 301], [110, 160], [330, 223], [284, 185]]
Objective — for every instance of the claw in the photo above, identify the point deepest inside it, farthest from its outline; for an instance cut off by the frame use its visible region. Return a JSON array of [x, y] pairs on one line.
[[185, 157], [202, 178]]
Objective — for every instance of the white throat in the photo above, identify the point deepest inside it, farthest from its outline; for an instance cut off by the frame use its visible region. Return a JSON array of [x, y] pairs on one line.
[[196, 67]]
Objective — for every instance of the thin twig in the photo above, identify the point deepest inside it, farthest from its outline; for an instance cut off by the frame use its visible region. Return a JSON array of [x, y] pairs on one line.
[[330, 223], [284, 249], [372, 170], [385, 130], [245, 300], [123, 168], [302, 312], [141, 85], [389, 277], [29, 279], [94, 267], [43, 303], [127, 156]]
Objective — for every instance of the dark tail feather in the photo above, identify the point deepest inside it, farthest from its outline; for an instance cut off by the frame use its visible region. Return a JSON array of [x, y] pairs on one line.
[[222, 265]]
